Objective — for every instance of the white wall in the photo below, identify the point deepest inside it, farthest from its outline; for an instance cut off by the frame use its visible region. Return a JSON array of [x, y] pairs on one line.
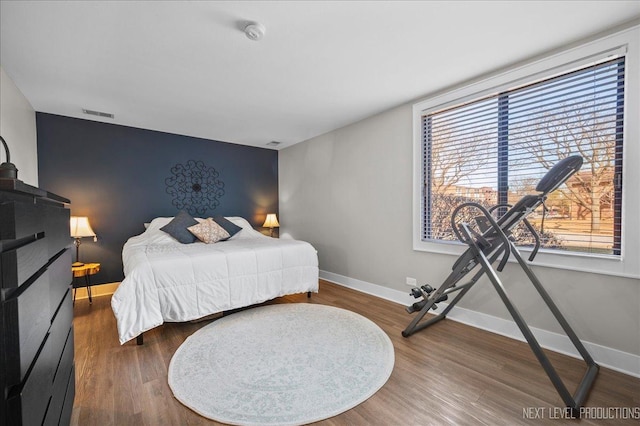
[[349, 193], [18, 128]]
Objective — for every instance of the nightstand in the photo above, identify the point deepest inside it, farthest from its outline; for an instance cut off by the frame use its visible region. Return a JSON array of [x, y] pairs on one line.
[[85, 271]]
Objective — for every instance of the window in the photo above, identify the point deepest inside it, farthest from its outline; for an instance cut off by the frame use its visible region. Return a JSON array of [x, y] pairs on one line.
[[491, 141], [497, 148]]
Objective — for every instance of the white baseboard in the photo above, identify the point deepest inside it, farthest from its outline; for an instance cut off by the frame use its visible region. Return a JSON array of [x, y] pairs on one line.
[[607, 357]]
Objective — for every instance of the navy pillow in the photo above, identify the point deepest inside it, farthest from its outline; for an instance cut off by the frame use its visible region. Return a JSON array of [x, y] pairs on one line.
[[227, 225], [177, 228]]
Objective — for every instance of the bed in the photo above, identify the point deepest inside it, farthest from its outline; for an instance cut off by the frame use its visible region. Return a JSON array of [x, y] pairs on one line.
[[167, 281]]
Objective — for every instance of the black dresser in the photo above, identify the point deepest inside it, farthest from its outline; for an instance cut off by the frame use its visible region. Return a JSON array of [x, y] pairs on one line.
[[37, 375]]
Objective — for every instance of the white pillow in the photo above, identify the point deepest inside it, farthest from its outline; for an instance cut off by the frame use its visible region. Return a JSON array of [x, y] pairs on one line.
[[159, 222], [239, 221], [247, 229]]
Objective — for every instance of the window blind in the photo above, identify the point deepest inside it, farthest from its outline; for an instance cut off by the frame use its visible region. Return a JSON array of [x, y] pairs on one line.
[[495, 150]]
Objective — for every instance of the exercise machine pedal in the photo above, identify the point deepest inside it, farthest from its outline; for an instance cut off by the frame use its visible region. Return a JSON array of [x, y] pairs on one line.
[[418, 292], [423, 291]]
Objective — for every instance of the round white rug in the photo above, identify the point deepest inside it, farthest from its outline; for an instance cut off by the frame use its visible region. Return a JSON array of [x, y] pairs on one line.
[[286, 364]]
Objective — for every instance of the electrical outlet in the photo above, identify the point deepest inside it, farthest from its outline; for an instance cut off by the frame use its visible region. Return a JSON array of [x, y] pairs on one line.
[[412, 282]]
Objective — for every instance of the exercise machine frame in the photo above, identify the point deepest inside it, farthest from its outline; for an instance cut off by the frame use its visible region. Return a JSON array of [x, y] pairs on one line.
[[495, 241]]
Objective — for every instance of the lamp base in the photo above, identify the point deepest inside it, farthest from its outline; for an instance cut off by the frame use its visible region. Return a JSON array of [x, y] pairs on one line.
[[8, 171], [76, 264]]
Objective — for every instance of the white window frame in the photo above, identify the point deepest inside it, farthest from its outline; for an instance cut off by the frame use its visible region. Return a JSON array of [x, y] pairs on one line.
[[626, 42]]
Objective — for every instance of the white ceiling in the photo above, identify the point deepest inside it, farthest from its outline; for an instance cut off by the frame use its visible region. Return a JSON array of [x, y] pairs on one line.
[[186, 67]]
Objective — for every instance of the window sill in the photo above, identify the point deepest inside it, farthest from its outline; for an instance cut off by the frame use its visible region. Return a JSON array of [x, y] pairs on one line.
[[570, 261]]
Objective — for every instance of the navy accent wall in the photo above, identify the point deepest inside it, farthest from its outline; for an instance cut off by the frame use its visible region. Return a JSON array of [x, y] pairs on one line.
[[116, 176]]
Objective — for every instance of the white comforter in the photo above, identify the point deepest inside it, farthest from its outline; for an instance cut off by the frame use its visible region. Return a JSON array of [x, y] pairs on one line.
[[169, 281]]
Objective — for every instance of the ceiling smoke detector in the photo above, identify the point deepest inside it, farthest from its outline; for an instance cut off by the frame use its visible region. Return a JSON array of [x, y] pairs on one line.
[[254, 31], [274, 143]]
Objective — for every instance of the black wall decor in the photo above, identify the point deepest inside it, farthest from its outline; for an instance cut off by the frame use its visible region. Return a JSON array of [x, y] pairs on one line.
[[195, 187], [119, 177]]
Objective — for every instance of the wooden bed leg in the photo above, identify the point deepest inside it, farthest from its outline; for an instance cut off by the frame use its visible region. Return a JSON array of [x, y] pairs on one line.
[[140, 339], [308, 295]]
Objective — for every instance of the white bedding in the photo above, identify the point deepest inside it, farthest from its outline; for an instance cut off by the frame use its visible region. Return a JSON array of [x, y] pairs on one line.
[[169, 281]]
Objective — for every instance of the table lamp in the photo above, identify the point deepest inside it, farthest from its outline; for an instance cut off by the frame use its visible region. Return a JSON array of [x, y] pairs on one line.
[[80, 228], [271, 222]]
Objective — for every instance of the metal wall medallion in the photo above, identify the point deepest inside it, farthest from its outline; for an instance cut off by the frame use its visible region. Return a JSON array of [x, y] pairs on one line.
[[195, 187]]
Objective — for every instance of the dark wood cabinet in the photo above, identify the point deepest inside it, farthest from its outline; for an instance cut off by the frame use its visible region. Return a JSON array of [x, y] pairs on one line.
[[37, 374]]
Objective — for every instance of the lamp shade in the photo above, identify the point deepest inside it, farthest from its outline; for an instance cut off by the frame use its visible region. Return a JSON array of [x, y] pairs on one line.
[[271, 221], [80, 227]]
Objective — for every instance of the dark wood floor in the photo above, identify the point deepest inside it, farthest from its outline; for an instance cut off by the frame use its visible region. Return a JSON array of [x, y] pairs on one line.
[[448, 374]]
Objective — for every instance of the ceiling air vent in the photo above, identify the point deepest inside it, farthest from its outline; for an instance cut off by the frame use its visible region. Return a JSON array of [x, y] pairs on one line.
[[274, 143], [98, 113]]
